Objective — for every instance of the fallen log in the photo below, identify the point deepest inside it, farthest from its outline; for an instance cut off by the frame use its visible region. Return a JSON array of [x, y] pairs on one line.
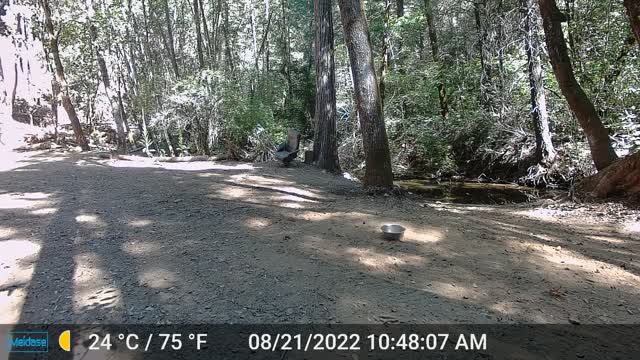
[[620, 178]]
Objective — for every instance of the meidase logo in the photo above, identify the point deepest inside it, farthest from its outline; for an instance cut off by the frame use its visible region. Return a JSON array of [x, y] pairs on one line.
[[28, 341]]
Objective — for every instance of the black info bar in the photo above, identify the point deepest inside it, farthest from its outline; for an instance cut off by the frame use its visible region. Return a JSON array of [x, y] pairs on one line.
[[319, 341]]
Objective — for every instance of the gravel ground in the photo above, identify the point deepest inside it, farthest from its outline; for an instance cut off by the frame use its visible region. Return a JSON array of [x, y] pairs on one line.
[[84, 239]]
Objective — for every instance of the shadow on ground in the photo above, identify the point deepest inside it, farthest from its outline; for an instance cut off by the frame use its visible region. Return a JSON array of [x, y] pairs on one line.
[[84, 240]]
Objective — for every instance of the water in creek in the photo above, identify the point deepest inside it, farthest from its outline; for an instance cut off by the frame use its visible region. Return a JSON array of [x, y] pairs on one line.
[[471, 192]]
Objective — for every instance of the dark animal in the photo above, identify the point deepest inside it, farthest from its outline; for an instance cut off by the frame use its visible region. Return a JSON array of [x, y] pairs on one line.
[[288, 151]]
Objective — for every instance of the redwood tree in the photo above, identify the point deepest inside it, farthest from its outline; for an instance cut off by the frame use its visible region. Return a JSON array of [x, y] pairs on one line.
[[586, 113], [325, 148], [368, 102]]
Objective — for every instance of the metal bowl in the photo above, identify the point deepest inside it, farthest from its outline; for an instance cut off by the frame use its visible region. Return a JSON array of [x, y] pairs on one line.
[[392, 232]]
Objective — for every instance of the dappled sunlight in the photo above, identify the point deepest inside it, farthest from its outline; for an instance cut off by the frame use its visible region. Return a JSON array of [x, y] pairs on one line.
[[11, 303], [44, 211], [10, 160], [422, 235], [259, 180], [6, 232], [292, 205], [14, 250], [17, 260], [258, 223], [276, 184], [294, 190], [83, 162], [369, 257], [92, 287], [631, 227], [504, 307], [143, 162], [86, 271], [205, 165], [457, 209], [561, 261], [140, 248], [380, 261], [291, 198], [24, 201], [606, 239], [36, 195], [539, 213], [90, 219], [354, 217], [157, 278], [455, 291], [233, 192], [119, 229], [140, 223]]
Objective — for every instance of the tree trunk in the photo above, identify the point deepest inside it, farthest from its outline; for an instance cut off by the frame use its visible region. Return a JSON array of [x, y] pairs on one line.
[[265, 39], [486, 87], [431, 29], [196, 20], [170, 41], [378, 171], [620, 178], [111, 95], [384, 54], [399, 44], [633, 10], [435, 53], [286, 51], [207, 35], [597, 135], [545, 153], [325, 148], [14, 91], [55, 91], [61, 79], [227, 40]]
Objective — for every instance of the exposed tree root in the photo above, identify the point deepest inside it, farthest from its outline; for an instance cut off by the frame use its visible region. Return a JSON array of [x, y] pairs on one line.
[[620, 178]]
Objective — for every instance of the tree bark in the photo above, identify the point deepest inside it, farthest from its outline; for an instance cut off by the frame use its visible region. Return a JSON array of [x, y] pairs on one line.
[[14, 91], [196, 20], [286, 51], [384, 54], [61, 79], [398, 59], [111, 95], [378, 173], [633, 10], [620, 178], [545, 153], [325, 147], [601, 150], [486, 81], [207, 35], [227, 39], [55, 91], [170, 47], [435, 54]]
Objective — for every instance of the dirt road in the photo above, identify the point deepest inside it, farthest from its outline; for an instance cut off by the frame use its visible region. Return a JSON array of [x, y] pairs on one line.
[[84, 239]]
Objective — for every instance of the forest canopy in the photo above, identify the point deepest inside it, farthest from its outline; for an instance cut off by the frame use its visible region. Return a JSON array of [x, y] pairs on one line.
[[536, 91]]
